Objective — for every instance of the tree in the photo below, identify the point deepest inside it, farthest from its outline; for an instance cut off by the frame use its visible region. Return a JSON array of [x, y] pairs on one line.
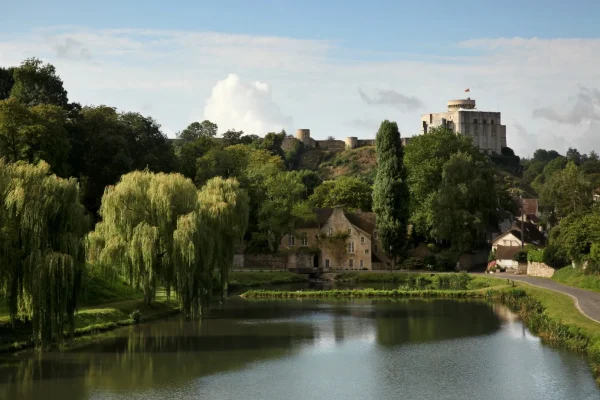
[[282, 207], [196, 130], [157, 229], [545, 156], [36, 83], [507, 152], [390, 191], [465, 203], [574, 156], [232, 137], [349, 192], [425, 159], [574, 237], [34, 133], [6, 82], [566, 192], [42, 258]]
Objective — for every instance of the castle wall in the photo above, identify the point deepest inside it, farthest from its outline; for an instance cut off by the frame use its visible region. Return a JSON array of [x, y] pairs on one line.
[[331, 145]]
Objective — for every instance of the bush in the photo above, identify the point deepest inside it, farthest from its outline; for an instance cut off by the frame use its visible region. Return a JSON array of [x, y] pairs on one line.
[[446, 261], [535, 256], [492, 256], [412, 263], [430, 260], [554, 257], [135, 316]]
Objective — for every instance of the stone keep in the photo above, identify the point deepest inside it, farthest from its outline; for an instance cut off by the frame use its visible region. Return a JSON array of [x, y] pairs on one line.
[[483, 127]]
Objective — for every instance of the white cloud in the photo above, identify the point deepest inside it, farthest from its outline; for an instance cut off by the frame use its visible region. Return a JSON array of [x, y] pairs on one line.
[[234, 104], [176, 71]]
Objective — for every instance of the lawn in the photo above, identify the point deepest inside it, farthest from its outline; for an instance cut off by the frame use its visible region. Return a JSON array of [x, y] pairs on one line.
[[577, 278]]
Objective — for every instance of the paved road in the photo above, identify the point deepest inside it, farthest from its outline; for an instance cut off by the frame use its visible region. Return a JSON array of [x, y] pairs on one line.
[[587, 302]]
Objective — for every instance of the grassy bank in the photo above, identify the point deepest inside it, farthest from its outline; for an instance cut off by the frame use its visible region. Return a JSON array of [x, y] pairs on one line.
[[249, 279], [105, 305], [577, 278], [551, 316]]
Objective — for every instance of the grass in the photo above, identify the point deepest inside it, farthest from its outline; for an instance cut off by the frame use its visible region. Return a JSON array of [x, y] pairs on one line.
[[105, 305], [577, 278], [248, 279]]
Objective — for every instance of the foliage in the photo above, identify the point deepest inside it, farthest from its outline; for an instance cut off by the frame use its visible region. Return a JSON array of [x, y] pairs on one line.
[[535, 255], [566, 192], [157, 229], [33, 134], [443, 166], [6, 82], [465, 203], [36, 84], [390, 190], [577, 277], [135, 316], [492, 256], [507, 152], [42, 225], [349, 192], [575, 234], [196, 130], [554, 256]]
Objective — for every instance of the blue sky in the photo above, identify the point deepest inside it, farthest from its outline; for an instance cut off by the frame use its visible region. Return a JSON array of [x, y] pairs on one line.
[[181, 61]]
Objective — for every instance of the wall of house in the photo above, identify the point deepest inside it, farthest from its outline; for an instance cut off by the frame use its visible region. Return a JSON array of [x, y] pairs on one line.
[[508, 264], [312, 239], [506, 240], [266, 261], [362, 247], [539, 269]]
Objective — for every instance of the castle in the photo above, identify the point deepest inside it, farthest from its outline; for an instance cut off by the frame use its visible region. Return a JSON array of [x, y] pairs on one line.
[[483, 127], [330, 144]]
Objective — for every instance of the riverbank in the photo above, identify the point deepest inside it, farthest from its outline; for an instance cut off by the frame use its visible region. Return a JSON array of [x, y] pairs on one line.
[[577, 278], [239, 279], [551, 316]]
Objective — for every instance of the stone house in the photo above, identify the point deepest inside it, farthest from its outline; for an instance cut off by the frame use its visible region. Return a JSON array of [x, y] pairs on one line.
[[346, 240]]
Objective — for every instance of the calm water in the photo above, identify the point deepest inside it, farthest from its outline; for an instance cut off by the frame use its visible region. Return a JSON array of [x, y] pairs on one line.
[[364, 349]]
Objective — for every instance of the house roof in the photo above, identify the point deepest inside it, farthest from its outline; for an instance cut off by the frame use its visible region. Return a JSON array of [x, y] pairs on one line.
[[506, 252], [363, 220], [530, 206], [531, 234], [322, 215]]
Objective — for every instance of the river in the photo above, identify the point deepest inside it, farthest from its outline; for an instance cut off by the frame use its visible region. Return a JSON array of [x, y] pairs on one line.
[[348, 349]]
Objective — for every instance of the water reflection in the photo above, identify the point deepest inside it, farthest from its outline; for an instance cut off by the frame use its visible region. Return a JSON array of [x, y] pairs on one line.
[[242, 342]]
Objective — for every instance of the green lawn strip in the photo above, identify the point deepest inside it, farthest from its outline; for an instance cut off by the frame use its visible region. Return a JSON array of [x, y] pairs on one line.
[[577, 278], [247, 279]]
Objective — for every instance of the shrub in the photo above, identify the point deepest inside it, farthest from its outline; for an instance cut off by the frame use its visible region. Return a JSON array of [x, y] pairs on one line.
[[536, 255], [135, 316], [446, 261], [412, 263], [520, 256], [430, 261], [554, 257], [492, 256]]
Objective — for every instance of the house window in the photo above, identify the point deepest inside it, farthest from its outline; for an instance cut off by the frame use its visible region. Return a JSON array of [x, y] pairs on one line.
[[475, 121], [330, 232], [362, 240], [492, 122], [375, 247], [349, 231], [351, 247], [362, 263], [484, 121], [366, 251], [350, 263], [375, 235], [506, 242], [291, 240], [304, 239], [326, 263]]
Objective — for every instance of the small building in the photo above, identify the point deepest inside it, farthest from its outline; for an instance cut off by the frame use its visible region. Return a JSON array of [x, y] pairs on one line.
[[596, 195], [512, 237], [504, 256], [346, 240]]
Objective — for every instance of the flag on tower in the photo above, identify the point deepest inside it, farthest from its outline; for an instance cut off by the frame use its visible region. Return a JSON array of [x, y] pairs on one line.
[[467, 90]]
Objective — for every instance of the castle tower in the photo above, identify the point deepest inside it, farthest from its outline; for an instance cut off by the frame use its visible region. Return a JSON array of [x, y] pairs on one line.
[[351, 142], [303, 135]]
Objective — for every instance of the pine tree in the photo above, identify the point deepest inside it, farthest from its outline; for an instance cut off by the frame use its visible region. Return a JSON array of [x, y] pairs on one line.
[[390, 191]]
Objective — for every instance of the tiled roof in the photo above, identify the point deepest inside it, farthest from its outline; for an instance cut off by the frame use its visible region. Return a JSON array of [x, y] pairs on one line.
[[363, 220], [530, 206], [532, 234], [322, 215]]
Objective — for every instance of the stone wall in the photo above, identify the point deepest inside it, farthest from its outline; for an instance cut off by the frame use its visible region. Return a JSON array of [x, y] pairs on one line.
[[267, 261], [522, 268], [539, 269]]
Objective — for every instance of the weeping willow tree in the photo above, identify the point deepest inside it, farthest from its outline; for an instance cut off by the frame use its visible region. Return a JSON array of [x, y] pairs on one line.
[[205, 241], [42, 260], [135, 238], [158, 229]]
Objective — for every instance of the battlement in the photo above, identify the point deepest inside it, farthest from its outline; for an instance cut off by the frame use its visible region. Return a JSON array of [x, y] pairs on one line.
[[330, 144]]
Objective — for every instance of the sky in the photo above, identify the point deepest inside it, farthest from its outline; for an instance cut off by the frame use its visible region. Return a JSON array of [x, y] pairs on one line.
[[335, 67]]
